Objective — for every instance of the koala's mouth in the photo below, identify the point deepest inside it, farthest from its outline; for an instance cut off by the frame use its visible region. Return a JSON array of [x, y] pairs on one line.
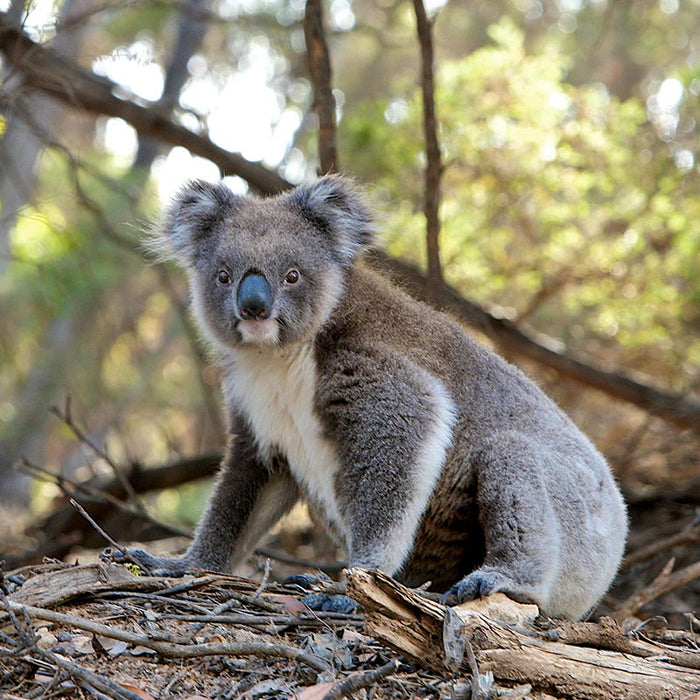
[[259, 331]]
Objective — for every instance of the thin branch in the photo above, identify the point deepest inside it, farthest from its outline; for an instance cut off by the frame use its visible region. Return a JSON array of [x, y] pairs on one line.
[[433, 166], [643, 554], [365, 680], [663, 583], [43, 69], [87, 679], [320, 71], [172, 650], [66, 417]]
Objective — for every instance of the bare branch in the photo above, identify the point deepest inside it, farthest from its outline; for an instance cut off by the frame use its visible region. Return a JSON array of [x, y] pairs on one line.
[[173, 650], [433, 167], [320, 70], [677, 409], [43, 69], [355, 683], [662, 584]]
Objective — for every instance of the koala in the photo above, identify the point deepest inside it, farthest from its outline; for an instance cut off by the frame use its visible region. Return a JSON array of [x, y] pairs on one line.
[[426, 454]]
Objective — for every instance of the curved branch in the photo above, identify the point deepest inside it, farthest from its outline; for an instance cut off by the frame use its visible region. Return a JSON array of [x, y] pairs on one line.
[[43, 69], [675, 408]]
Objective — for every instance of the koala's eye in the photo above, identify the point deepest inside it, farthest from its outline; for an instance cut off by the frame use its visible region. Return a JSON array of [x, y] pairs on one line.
[[223, 277], [292, 277]]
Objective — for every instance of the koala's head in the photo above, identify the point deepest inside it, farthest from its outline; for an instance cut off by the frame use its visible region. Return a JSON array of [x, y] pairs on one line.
[[265, 271]]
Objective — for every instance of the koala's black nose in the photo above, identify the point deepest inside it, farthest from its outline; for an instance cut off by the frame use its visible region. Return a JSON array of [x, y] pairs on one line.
[[254, 297]]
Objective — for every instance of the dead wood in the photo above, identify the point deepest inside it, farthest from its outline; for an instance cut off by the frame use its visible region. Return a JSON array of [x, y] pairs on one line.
[[228, 634], [663, 583], [406, 621], [643, 554]]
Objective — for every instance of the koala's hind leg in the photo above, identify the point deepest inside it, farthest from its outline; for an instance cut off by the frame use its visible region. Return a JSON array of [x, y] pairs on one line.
[[521, 529]]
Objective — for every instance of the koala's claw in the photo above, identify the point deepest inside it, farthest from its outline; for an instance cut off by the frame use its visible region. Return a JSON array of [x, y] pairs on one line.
[[304, 582], [478, 584], [330, 602]]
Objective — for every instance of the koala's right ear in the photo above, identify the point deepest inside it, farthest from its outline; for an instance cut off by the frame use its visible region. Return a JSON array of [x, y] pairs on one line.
[[188, 221]]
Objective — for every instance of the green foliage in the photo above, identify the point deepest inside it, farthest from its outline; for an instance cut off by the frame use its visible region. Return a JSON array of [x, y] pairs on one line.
[[560, 204]]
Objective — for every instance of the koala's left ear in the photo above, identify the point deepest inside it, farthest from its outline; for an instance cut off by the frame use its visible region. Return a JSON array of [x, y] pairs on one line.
[[338, 208]]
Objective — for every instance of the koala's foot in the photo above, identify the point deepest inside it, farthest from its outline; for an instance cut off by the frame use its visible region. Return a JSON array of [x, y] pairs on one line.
[[155, 566], [479, 584], [322, 602], [304, 582], [331, 602]]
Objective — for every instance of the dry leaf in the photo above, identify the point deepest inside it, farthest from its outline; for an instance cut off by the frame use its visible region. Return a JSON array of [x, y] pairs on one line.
[[111, 646], [140, 651], [83, 644], [290, 604], [313, 692], [46, 640], [137, 691]]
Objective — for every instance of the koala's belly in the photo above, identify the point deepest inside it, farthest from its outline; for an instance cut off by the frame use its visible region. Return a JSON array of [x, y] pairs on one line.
[[275, 392]]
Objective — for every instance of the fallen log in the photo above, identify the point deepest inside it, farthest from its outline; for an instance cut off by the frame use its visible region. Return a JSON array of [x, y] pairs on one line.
[[603, 663]]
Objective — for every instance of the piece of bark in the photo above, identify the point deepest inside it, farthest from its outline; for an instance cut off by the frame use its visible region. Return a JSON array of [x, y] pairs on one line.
[[413, 625], [56, 587]]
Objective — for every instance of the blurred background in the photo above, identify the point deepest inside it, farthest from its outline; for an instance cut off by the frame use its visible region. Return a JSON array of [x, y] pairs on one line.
[[570, 230]]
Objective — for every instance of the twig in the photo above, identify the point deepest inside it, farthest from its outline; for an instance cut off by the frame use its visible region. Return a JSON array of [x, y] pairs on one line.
[[66, 417], [642, 554], [263, 582], [124, 552], [89, 680], [215, 613], [355, 683], [320, 72], [663, 583], [433, 167], [173, 650]]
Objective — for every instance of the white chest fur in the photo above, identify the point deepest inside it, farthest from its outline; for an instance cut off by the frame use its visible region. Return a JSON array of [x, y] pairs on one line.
[[274, 389]]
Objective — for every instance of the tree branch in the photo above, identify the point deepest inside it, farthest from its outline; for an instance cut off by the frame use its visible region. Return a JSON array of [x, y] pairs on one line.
[[43, 69], [675, 408], [320, 71], [433, 167]]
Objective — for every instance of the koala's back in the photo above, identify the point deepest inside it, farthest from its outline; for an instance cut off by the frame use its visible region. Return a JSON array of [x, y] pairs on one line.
[[503, 423]]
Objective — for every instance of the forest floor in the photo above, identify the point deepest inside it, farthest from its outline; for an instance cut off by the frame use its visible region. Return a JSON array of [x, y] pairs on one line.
[[101, 630]]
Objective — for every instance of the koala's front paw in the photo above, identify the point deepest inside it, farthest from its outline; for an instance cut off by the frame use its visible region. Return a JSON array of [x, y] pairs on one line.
[[477, 585], [155, 566], [331, 602]]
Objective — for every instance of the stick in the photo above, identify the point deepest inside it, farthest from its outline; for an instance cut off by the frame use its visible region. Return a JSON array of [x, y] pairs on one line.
[[355, 683], [173, 650], [89, 680], [663, 583]]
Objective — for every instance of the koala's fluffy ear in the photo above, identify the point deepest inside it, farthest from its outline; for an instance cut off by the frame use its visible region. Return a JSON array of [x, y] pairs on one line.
[[188, 221], [338, 208]]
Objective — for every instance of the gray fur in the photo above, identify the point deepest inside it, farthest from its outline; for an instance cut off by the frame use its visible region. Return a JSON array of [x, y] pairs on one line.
[[429, 456]]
